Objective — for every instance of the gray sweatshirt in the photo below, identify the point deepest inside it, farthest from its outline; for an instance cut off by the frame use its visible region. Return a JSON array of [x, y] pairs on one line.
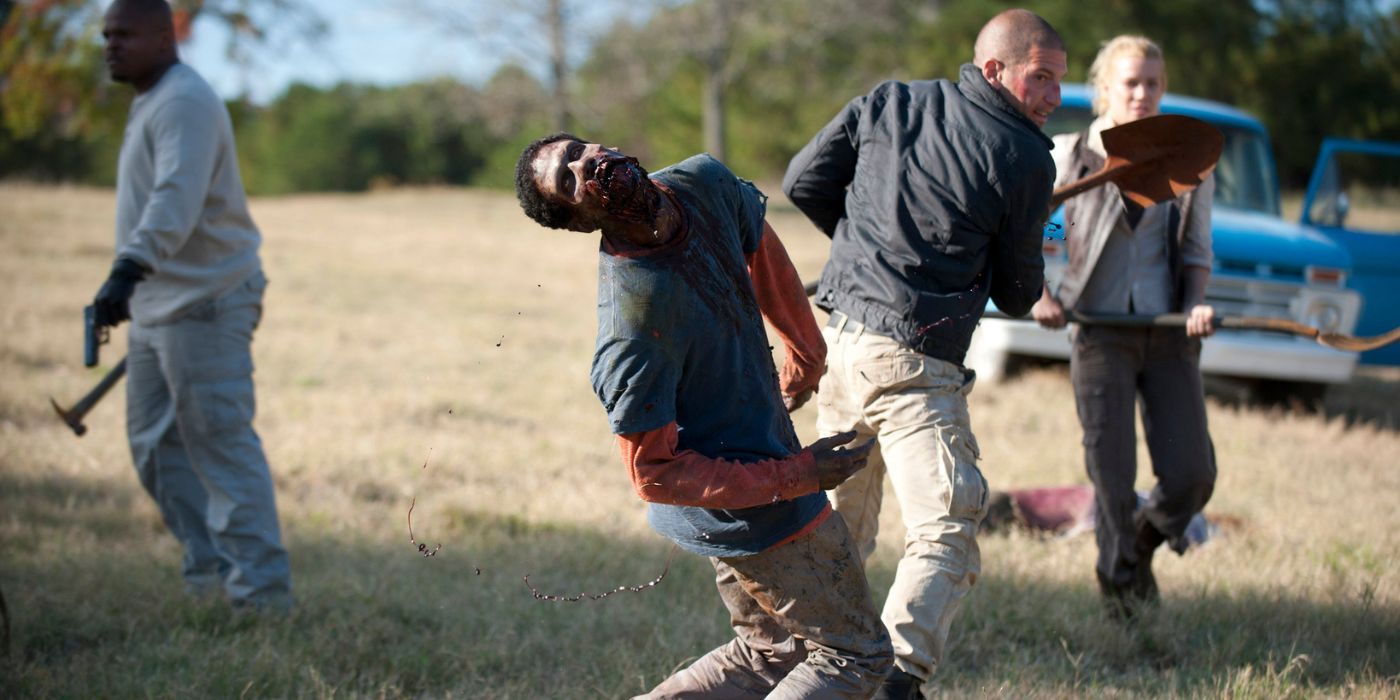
[[181, 210]]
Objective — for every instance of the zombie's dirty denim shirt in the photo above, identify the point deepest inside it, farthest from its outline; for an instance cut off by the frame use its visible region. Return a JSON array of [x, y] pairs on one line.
[[681, 339]]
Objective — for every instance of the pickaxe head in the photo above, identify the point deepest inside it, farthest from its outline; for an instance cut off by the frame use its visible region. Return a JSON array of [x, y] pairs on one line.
[[74, 416], [73, 420]]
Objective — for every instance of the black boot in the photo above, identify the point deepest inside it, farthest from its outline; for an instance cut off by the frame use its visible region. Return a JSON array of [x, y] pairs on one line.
[[899, 686], [1133, 587], [1149, 538], [1117, 598]]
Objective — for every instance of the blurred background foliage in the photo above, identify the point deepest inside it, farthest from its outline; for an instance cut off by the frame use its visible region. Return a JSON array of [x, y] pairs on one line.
[[748, 81]]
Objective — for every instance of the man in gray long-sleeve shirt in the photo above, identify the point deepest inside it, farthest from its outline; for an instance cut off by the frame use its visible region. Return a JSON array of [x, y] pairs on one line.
[[188, 276], [934, 194]]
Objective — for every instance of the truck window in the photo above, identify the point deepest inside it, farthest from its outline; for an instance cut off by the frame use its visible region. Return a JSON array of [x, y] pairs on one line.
[[1245, 177], [1359, 191]]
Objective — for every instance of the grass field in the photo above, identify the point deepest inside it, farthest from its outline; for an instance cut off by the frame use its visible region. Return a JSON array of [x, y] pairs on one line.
[[434, 345]]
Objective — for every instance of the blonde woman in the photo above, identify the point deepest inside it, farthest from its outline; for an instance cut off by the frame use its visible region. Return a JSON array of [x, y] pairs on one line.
[[1127, 259]]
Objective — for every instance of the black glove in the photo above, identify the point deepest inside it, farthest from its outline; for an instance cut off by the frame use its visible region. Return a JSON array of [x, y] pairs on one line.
[[112, 304]]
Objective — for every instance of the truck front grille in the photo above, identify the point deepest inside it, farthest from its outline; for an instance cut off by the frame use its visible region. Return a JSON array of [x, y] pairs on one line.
[[1243, 296]]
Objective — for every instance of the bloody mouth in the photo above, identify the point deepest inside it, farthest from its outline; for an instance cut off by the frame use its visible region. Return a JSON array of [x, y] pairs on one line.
[[618, 180], [625, 188]]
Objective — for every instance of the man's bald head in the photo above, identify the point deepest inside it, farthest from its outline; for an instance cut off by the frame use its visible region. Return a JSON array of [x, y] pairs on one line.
[[1022, 57], [140, 36], [155, 13], [1010, 36]]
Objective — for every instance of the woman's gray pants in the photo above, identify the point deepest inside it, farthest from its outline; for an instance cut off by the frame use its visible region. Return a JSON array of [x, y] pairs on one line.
[[1113, 370]]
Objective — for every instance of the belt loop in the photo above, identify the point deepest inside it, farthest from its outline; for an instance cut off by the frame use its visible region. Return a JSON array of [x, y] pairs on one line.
[[860, 328], [841, 324]]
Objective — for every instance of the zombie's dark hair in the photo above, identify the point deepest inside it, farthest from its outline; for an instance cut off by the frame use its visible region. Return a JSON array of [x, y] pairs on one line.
[[532, 200]]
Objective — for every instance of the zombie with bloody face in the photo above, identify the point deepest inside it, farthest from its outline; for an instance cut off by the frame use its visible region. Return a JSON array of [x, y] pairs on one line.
[[1124, 258], [188, 277], [688, 270], [934, 194]]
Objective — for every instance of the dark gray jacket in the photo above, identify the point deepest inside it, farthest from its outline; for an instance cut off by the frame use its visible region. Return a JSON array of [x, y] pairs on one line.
[[949, 188]]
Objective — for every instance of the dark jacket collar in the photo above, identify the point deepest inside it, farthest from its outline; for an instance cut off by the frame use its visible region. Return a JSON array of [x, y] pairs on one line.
[[976, 88]]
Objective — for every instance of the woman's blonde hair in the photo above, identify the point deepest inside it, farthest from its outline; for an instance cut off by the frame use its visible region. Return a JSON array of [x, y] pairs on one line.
[[1121, 45]]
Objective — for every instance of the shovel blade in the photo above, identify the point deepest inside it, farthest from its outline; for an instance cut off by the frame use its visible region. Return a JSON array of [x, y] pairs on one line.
[[1166, 156], [1358, 344]]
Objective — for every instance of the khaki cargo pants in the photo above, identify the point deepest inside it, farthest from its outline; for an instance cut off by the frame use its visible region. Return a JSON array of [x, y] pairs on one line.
[[915, 406]]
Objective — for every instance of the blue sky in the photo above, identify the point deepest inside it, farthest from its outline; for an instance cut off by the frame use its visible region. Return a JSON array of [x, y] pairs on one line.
[[368, 42], [379, 42]]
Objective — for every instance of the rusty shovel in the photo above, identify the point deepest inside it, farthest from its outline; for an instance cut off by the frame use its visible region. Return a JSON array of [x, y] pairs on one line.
[[1153, 159], [1336, 341]]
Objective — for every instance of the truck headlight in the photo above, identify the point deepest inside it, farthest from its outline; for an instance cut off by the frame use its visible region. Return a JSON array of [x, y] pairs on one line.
[[1330, 311], [1324, 315]]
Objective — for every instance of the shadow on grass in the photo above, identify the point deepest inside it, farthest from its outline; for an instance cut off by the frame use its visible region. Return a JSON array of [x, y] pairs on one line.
[[1032, 638], [56, 503], [98, 611], [1367, 400]]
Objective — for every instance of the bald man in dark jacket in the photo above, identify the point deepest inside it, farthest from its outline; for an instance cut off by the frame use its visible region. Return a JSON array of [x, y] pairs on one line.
[[934, 194]]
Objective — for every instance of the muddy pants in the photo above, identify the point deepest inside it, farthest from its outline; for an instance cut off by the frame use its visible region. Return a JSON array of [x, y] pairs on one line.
[[915, 406], [190, 423], [1110, 368], [806, 626]]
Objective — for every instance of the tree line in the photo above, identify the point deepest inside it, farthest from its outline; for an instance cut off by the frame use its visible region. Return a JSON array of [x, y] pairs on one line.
[[748, 81]]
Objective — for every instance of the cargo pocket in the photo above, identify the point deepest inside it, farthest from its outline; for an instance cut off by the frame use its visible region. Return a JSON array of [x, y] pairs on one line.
[[892, 371], [970, 489], [1093, 414], [221, 406]]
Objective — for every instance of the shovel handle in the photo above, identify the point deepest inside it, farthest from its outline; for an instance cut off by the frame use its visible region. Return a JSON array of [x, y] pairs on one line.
[[1336, 341], [1255, 323], [1120, 320], [1177, 320], [1106, 174]]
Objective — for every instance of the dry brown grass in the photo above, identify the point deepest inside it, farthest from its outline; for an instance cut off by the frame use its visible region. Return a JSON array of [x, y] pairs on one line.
[[440, 325]]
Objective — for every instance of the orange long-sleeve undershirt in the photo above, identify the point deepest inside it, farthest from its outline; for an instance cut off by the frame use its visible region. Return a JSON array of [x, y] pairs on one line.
[[783, 302], [662, 474]]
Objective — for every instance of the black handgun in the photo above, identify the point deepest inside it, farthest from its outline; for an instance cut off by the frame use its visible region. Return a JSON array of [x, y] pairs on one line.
[[93, 336]]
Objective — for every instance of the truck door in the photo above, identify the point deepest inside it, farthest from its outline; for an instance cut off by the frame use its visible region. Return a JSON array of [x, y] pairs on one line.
[[1354, 198]]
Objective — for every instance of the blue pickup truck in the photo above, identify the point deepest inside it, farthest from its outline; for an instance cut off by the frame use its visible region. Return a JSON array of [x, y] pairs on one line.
[[1264, 266]]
